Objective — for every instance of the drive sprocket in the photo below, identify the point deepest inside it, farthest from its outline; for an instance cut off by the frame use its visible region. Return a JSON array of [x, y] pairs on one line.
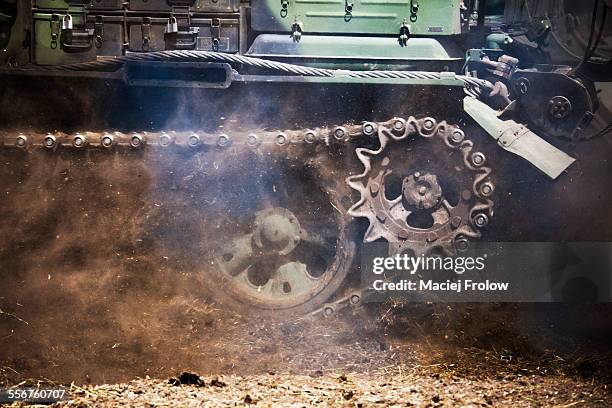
[[427, 200]]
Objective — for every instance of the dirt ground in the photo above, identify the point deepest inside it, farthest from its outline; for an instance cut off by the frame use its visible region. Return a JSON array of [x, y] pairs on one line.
[[415, 355]]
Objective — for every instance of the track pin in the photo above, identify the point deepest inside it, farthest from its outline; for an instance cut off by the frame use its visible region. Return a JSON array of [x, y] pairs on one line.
[[107, 141], [223, 141], [329, 310], [137, 141], [50, 141], [193, 140], [165, 140], [21, 142], [79, 140]]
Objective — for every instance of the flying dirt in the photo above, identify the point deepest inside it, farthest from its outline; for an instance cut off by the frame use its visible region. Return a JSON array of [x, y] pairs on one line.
[[193, 186]]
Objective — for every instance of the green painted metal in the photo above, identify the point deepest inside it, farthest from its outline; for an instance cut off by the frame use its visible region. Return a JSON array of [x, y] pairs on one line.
[[50, 52], [315, 46], [65, 4], [433, 17]]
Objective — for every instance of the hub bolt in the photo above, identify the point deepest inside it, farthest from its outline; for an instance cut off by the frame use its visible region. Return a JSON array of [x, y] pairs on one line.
[[355, 299]]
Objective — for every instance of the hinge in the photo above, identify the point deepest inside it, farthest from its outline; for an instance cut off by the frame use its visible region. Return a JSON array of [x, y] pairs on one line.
[[55, 30], [145, 28], [99, 31], [215, 33], [414, 9]]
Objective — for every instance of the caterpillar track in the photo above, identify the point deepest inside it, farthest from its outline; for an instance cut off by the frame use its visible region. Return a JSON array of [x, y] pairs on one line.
[[283, 230]]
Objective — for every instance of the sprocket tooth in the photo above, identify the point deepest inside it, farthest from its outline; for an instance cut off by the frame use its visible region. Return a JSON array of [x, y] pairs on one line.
[[376, 207]]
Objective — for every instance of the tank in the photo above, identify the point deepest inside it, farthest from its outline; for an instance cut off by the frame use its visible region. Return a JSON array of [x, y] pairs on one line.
[[253, 146]]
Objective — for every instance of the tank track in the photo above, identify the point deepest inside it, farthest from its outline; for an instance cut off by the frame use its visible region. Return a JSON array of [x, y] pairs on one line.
[[296, 142]]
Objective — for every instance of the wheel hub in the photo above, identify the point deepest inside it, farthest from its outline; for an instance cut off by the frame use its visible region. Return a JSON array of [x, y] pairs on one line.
[[421, 191], [276, 231]]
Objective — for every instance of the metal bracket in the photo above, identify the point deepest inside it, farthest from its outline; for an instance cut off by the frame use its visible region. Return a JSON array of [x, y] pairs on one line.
[[55, 30], [518, 139], [99, 31], [145, 28], [296, 31], [414, 9], [511, 134], [284, 11], [404, 34], [215, 33]]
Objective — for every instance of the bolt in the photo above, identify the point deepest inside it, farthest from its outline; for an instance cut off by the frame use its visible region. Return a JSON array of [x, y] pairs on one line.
[[21, 141], [253, 140], [223, 140], [369, 128], [49, 141], [457, 136], [78, 141], [481, 220], [107, 141], [281, 139], [310, 136], [136, 140], [355, 299], [462, 244], [193, 140], [399, 125], [417, 175], [523, 85], [429, 123], [423, 190], [486, 189], [328, 311], [339, 133], [165, 140], [478, 159]]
